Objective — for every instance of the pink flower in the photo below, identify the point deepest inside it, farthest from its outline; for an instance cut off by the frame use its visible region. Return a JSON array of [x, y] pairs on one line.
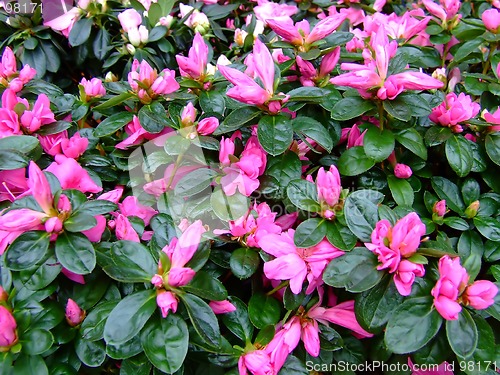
[[21, 220], [268, 10], [129, 19], [51, 143], [75, 146], [329, 188], [222, 307], [12, 184], [454, 110], [194, 66], [440, 208], [8, 65], [152, 84], [480, 295], [492, 119], [131, 207], [124, 229], [452, 282], [65, 23], [74, 314], [446, 11], [491, 20], [258, 362], [166, 301], [297, 264], [73, 276], [93, 88], [284, 342], [402, 171], [207, 126], [40, 115], [8, 325], [112, 195], [72, 176]]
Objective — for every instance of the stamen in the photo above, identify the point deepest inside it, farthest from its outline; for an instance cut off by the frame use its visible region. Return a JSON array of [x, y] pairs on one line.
[[8, 190]]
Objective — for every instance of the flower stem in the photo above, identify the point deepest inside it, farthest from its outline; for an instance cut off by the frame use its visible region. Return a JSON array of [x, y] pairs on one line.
[[282, 285]]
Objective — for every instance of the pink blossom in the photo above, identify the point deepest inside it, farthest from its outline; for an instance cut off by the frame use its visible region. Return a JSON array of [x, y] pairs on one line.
[[129, 19], [171, 177], [40, 115], [75, 146], [453, 279], [222, 307], [112, 195], [137, 134], [440, 208], [454, 110], [21, 220], [51, 143], [74, 314], [8, 65], [297, 264], [269, 10], [402, 171], [12, 184], [73, 276], [132, 207], [195, 64], [65, 23], [8, 325], [492, 118], [93, 88], [258, 362], [480, 295], [446, 11], [152, 83], [72, 176], [207, 126], [124, 229], [328, 186], [94, 234], [166, 301], [491, 20], [284, 342]]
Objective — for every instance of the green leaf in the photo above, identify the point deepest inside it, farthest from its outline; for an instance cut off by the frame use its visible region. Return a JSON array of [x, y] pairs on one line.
[[462, 334], [91, 353], [310, 232], [244, 262], [419, 107], [128, 349], [134, 262], [374, 307], [27, 250], [275, 134], [206, 286], [398, 109], [39, 277], [12, 159], [354, 161], [100, 44], [459, 155], [292, 301], [238, 321], [165, 342], [75, 252], [195, 182], [456, 223], [236, 119], [304, 195], [412, 325], [36, 341], [114, 101], [112, 124], [488, 227], [129, 316], [356, 271], [340, 236], [466, 49], [378, 145], [80, 221], [437, 135], [445, 189], [412, 140], [157, 33], [361, 215], [92, 328], [401, 190], [80, 32], [21, 143], [351, 107], [307, 94], [492, 144], [153, 117], [30, 365], [309, 127], [212, 102], [137, 365], [263, 310], [284, 168], [470, 249], [203, 319], [229, 207], [97, 207]]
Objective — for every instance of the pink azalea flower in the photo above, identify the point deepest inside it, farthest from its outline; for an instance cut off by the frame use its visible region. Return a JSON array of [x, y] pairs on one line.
[[131, 207], [166, 301], [93, 88], [257, 362], [492, 118], [446, 11], [171, 177], [329, 189], [195, 64], [480, 295], [74, 314], [284, 342], [222, 307], [65, 23], [402, 171], [454, 110], [393, 244], [9, 76], [8, 328], [129, 19], [51, 143], [94, 234], [491, 20], [124, 229], [453, 279], [297, 264], [266, 10], [72, 176], [75, 146], [12, 184]]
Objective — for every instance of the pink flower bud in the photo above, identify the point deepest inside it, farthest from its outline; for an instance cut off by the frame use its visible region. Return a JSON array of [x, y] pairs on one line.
[[402, 171], [93, 88], [222, 307], [480, 295], [471, 211], [207, 126], [157, 281], [8, 325], [188, 115], [440, 208], [53, 225], [491, 20], [166, 301], [74, 314], [129, 19]]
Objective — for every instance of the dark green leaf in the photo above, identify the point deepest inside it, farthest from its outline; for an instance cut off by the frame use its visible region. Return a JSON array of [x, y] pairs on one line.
[[361, 215], [401, 190], [378, 145], [445, 189], [459, 155], [488, 227], [340, 236], [113, 124], [80, 31], [100, 44], [153, 117], [236, 119], [263, 310], [470, 249], [92, 328], [398, 109], [80, 221], [351, 107], [203, 319], [462, 334], [12, 159], [492, 143], [238, 321], [244, 262], [412, 140], [91, 353], [313, 129], [133, 261], [275, 134], [26, 250], [466, 49], [303, 194], [437, 135], [75, 252], [206, 286], [195, 182], [36, 341], [354, 161], [310, 232], [212, 102], [114, 101]]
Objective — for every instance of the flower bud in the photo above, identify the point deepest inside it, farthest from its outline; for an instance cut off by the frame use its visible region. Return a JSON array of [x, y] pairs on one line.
[[157, 281], [222, 307], [110, 77], [491, 20], [471, 211], [402, 171], [130, 48], [440, 208], [74, 314], [8, 325], [53, 225], [480, 295]]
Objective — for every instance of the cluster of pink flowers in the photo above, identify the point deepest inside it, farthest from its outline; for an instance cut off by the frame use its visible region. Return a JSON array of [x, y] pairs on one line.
[[10, 77], [454, 110]]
